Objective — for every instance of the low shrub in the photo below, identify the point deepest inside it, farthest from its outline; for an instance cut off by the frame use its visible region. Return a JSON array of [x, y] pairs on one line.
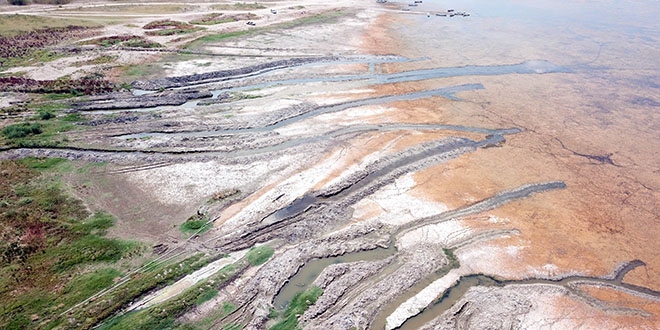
[[17, 131]]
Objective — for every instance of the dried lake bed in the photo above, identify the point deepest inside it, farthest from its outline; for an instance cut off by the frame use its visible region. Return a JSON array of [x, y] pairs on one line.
[[353, 165]]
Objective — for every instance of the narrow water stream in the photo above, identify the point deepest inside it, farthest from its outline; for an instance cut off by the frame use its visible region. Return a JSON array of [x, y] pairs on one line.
[[312, 269], [455, 293]]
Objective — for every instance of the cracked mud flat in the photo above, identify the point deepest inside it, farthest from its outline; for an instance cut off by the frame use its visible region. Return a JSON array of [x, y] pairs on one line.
[[495, 173]]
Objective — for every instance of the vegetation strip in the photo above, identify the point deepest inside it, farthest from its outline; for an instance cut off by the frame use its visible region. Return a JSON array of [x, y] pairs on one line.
[[50, 241]]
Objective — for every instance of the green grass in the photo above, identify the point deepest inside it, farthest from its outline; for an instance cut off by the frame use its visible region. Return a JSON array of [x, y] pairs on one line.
[[62, 96], [244, 96], [195, 226], [11, 25], [141, 9], [453, 262], [18, 131], [90, 248], [36, 57], [42, 163], [322, 18], [155, 276], [141, 71], [48, 111], [86, 285], [53, 252], [206, 296], [298, 306], [212, 21], [169, 27], [103, 59], [44, 129], [258, 255], [228, 308], [142, 43], [87, 167], [219, 18], [163, 315], [239, 6], [451, 257], [37, 134], [218, 37]]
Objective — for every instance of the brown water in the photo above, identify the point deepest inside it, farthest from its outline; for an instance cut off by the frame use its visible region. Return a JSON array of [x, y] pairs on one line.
[[455, 293], [312, 269]]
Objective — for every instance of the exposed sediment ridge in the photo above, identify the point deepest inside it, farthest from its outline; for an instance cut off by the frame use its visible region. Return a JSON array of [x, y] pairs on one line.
[[527, 67], [317, 212], [231, 149], [122, 101], [254, 70], [484, 205]]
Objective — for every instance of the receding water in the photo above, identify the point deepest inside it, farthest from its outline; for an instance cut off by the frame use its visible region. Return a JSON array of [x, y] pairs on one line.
[[456, 292], [312, 269]]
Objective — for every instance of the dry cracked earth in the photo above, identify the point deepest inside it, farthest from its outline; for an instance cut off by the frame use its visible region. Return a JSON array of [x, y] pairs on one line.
[[492, 171]]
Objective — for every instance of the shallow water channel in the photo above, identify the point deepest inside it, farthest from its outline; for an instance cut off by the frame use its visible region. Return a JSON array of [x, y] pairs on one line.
[[456, 292], [312, 269]]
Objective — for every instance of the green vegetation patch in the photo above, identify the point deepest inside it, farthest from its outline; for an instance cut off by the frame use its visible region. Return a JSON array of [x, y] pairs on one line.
[[87, 285], [258, 255], [143, 8], [233, 326], [219, 18], [124, 41], [45, 129], [169, 27], [219, 37], [322, 18], [153, 276], [199, 226], [206, 296], [164, 315], [17, 131], [141, 71], [87, 85], [453, 262], [103, 59], [239, 6], [298, 306], [52, 252], [213, 18], [29, 47], [12, 25], [42, 163]]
